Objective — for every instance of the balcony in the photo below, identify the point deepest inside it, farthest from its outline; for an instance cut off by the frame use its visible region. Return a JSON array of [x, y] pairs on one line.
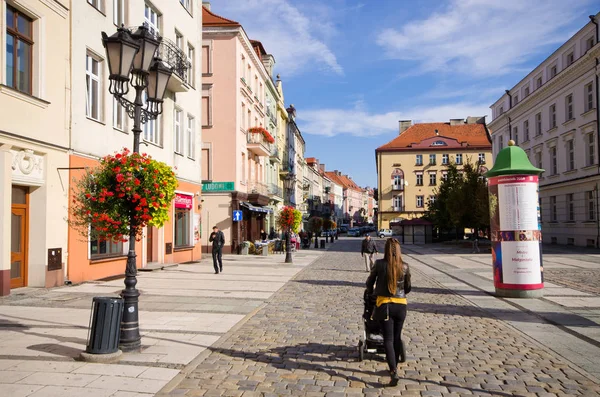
[[275, 154], [258, 188], [176, 59], [257, 143], [258, 193], [399, 186], [275, 191], [286, 167], [271, 116], [397, 209]]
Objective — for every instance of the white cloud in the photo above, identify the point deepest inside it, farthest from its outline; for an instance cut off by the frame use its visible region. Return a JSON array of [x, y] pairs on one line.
[[482, 37], [359, 122], [297, 42]]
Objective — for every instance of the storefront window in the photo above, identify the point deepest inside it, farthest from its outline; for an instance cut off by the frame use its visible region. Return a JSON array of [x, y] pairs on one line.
[[103, 248], [183, 219]]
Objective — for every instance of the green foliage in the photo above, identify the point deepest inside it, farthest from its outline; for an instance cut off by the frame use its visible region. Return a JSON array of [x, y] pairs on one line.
[[315, 224], [289, 219]]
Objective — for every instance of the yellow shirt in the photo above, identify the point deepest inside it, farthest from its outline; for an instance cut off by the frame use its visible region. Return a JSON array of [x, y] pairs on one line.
[[388, 299]]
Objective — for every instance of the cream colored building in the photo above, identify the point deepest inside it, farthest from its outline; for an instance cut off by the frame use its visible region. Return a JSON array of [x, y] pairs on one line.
[[552, 113], [34, 142], [411, 166]]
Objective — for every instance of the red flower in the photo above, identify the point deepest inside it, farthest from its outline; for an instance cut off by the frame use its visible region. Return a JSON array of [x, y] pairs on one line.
[[136, 182], [120, 178], [117, 169]]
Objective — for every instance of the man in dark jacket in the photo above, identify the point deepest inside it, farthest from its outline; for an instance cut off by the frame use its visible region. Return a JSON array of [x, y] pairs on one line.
[[217, 238], [369, 247]]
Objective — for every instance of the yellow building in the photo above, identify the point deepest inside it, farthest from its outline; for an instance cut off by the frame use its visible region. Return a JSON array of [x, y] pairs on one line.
[[412, 165]]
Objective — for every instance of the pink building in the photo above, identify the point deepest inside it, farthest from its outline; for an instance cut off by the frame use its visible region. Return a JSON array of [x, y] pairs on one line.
[[236, 145]]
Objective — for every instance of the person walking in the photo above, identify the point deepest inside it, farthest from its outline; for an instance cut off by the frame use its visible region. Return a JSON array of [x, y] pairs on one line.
[[391, 278], [369, 247], [217, 238]]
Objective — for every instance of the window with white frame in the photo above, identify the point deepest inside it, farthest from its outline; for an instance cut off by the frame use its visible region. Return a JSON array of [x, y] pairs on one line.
[[570, 155], [207, 105], [179, 40], [431, 199], [526, 92], [432, 179], [398, 203], [243, 116], [459, 159], [553, 161], [538, 124], [187, 4], [553, 71], [589, 97], [570, 207], [591, 149], [97, 4], [419, 179], [526, 130], [444, 176], [177, 131], [192, 67], [569, 107], [589, 43], [538, 82], [516, 135], [119, 12], [191, 137], [553, 211], [93, 89], [432, 159], [445, 159], [397, 181], [419, 159], [570, 58], [516, 99], [590, 205], [151, 18], [105, 249], [481, 158], [119, 116], [552, 116], [420, 201], [151, 129]]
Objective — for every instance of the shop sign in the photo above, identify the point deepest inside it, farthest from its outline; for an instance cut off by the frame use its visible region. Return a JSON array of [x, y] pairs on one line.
[[183, 201], [208, 187]]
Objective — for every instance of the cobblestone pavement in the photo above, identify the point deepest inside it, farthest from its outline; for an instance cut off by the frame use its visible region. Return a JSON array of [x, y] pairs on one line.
[[304, 342], [587, 280]]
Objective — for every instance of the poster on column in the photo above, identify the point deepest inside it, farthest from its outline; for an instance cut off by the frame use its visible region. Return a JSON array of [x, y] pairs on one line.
[[521, 263], [517, 197]]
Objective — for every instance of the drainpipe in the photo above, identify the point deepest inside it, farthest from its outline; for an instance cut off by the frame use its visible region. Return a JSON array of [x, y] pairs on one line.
[[593, 20], [509, 107]]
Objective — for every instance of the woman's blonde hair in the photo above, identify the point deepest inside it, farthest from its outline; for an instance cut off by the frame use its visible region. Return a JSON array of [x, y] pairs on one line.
[[393, 257]]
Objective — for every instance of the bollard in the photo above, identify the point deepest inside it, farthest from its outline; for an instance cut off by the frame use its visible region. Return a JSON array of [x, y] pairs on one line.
[[316, 242], [515, 224], [322, 243]]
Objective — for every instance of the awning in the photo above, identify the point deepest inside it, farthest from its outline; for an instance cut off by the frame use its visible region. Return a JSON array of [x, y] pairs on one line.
[[256, 208]]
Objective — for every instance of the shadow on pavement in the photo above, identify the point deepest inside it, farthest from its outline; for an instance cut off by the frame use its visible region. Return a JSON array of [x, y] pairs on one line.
[[332, 283], [444, 291]]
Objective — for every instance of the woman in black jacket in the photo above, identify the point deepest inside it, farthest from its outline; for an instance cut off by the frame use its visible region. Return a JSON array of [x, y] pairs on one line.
[[393, 283]]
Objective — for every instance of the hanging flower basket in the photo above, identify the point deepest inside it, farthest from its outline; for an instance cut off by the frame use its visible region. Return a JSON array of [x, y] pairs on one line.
[[289, 219], [261, 130], [127, 190]]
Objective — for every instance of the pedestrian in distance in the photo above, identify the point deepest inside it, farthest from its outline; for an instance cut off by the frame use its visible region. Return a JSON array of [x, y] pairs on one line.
[[390, 282], [368, 251], [263, 235], [217, 238]]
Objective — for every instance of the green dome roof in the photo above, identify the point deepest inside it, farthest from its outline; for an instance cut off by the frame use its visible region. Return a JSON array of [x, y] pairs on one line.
[[512, 160]]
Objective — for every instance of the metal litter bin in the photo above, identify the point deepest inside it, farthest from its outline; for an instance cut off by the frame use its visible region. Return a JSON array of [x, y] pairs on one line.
[[105, 325]]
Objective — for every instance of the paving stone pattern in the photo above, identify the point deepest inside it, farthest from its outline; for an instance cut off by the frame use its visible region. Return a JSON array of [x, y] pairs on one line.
[[587, 280], [304, 342]]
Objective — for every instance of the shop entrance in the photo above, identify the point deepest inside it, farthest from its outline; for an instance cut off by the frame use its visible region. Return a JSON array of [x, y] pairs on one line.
[[19, 237]]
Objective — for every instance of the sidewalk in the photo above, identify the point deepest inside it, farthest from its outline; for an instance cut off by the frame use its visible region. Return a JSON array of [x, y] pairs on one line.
[[183, 310]]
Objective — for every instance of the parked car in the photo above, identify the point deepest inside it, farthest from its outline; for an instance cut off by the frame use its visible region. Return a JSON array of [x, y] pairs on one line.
[[343, 229], [354, 232], [384, 233]]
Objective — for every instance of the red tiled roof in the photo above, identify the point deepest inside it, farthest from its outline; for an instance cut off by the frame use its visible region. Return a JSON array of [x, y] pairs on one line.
[[258, 47], [311, 160], [464, 134], [212, 19], [343, 181]]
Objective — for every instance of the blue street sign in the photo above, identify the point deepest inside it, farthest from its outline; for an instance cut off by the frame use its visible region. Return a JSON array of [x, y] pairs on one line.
[[237, 215]]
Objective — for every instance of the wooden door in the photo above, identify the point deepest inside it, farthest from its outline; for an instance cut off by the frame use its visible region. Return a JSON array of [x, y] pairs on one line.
[[18, 248]]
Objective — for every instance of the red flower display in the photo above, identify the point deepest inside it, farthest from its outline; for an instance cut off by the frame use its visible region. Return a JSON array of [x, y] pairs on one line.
[[260, 130]]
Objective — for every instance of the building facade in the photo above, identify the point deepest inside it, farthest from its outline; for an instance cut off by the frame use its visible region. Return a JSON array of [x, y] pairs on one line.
[[552, 113], [34, 142], [412, 165], [100, 126]]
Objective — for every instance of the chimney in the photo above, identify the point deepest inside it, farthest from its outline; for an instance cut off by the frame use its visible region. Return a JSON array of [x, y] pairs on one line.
[[322, 167], [404, 125], [476, 120], [437, 132], [206, 4], [456, 121]]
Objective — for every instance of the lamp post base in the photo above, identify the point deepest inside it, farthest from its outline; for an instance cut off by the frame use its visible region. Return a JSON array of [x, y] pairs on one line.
[[130, 339], [288, 250]]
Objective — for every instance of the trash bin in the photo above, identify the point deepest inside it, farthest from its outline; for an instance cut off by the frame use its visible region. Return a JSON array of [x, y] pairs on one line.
[[322, 243], [105, 325]]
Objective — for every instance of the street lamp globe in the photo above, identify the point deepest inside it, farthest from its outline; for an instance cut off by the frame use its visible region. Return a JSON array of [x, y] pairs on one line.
[[149, 43], [158, 78], [120, 52]]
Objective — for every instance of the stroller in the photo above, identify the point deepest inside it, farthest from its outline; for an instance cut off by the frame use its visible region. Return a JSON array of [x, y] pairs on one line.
[[372, 339], [305, 243]]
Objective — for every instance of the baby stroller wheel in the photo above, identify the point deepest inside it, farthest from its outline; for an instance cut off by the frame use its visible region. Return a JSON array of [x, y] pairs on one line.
[[361, 350]]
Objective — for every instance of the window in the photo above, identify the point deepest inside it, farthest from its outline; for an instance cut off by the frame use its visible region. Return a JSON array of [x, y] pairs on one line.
[[501, 110], [92, 79], [538, 124], [553, 71], [151, 129], [516, 99], [397, 181], [102, 248], [538, 159], [445, 159], [243, 168], [444, 175], [432, 159], [500, 142], [481, 158], [552, 208], [570, 58], [589, 97], [206, 69], [591, 150], [569, 107], [552, 116], [432, 179], [526, 130], [178, 40], [191, 72], [459, 159], [187, 4], [242, 116], [119, 12], [526, 92], [419, 179], [570, 155], [590, 205], [516, 135], [19, 50], [183, 215], [589, 43], [431, 199], [119, 116], [570, 207], [419, 159], [191, 137], [553, 161], [397, 203], [207, 106], [177, 131], [538, 82], [420, 201], [151, 19], [97, 4]]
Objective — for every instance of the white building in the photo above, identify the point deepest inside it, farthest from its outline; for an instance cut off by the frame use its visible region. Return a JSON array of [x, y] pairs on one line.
[[553, 115]]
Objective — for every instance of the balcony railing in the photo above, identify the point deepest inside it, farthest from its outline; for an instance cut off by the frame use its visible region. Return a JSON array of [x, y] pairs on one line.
[[399, 186], [258, 144], [258, 188], [275, 190], [397, 209], [175, 57]]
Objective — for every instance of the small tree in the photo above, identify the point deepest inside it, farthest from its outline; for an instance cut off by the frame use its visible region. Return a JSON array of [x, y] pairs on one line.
[[289, 219], [315, 224]]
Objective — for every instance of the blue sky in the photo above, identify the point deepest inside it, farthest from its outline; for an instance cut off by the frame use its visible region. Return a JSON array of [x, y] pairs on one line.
[[353, 68]]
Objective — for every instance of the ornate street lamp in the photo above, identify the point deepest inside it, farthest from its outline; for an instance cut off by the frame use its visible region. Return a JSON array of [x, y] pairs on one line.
[[288, 184], [131, 61]]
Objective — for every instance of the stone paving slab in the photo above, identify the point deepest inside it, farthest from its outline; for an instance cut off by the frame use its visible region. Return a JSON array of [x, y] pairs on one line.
[[304, 342]]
